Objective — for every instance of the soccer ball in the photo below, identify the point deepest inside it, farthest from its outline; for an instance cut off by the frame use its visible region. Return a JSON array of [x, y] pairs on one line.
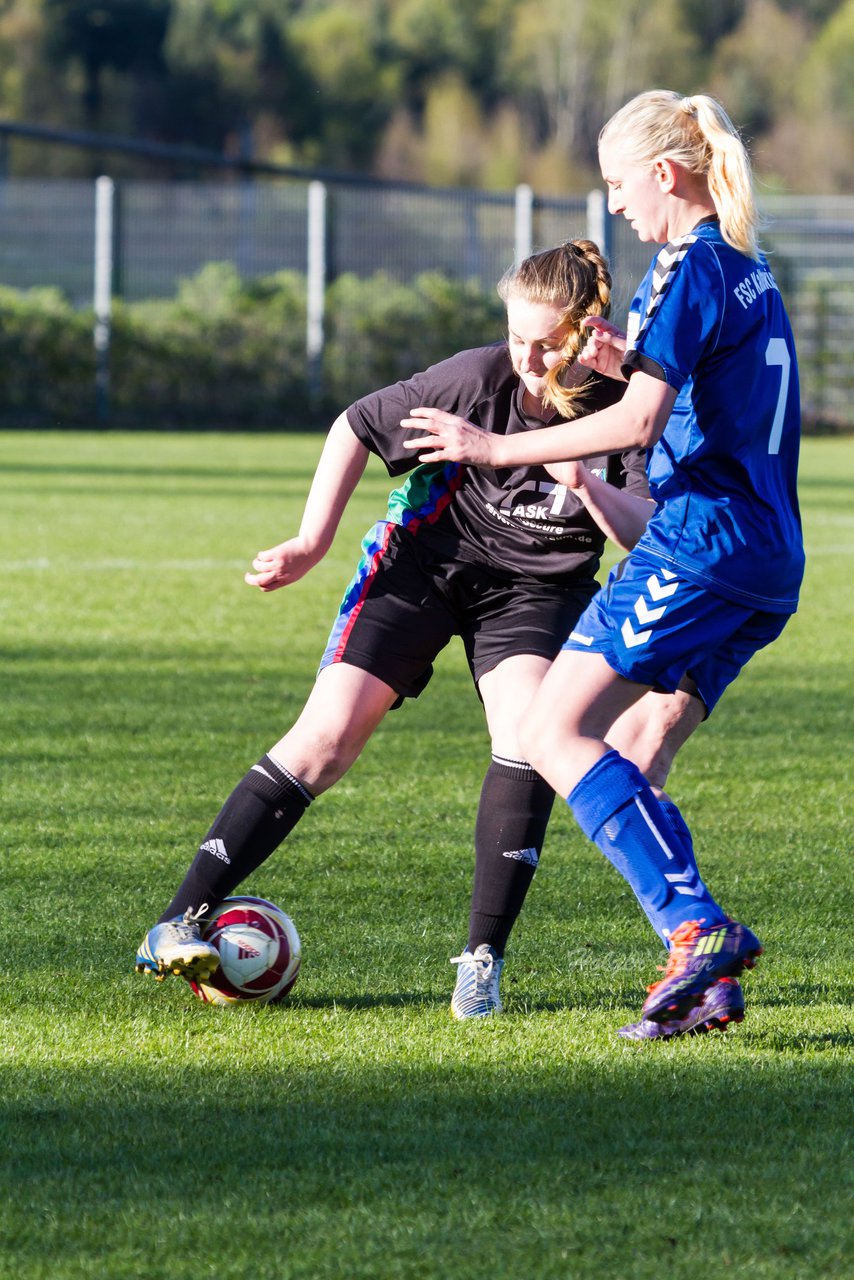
[[259, 952]]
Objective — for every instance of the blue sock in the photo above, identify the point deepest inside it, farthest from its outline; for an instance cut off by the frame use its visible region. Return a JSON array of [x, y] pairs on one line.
[[689, 884], [646, 841]]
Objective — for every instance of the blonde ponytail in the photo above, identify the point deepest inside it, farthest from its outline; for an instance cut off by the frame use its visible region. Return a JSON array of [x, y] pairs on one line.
[[697, 133]]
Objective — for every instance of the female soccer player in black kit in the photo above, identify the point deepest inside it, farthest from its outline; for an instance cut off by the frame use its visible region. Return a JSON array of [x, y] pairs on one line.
[[504, 559]]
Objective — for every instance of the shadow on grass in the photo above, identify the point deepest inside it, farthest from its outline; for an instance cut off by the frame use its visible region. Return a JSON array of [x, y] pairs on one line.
[[109, 470], [523, 1007], [807, 1041], [170, 484], [422, 1169]]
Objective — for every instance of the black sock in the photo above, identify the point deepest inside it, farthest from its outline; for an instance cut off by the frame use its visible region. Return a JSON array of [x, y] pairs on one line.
[[514, 810], [261, 810]]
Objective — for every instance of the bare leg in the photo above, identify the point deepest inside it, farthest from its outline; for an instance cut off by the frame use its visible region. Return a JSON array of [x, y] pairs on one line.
[[507, 692], [563, 733], [654, 729], [341, 712], [567, 734]]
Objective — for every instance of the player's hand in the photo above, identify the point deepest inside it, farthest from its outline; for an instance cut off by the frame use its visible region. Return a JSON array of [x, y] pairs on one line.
[[604, 348], [447, 438], [281, 565]]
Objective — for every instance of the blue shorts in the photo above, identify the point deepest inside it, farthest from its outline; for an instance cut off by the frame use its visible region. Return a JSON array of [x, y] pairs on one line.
[[655, 628]]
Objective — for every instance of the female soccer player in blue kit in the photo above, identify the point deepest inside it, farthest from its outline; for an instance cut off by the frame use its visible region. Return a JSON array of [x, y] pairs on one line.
[[507, 562], [713, 393]]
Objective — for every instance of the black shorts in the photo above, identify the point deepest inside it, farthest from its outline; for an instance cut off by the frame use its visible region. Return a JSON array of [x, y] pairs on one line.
[[407, 600]]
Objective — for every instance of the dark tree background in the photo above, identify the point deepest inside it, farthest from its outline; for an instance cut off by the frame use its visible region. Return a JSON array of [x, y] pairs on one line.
[[479, 92]]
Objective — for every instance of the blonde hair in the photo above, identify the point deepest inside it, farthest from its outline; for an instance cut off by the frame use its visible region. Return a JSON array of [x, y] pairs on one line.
[[698, 134], [574, 278]]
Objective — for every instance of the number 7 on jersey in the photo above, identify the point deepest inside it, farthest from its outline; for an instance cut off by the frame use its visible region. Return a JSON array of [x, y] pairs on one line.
[[777, 353]]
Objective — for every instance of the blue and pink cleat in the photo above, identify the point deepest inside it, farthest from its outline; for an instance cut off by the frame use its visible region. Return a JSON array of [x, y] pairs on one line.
[[698, 958], [721, 1004]]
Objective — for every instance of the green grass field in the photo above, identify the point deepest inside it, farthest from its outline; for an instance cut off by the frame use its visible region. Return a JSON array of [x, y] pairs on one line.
[[356, 1131]]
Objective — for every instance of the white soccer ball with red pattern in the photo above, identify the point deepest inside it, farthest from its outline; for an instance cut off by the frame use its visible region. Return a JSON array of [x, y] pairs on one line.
[[259, 952]]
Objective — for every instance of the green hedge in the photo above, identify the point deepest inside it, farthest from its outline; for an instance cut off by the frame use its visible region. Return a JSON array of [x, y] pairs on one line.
[[47, 360], [230, 353]]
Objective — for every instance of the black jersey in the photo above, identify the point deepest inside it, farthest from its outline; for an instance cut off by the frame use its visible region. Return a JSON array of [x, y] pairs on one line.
[[517, 520]]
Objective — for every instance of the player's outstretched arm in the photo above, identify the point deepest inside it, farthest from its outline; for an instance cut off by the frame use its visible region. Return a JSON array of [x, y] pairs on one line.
[[621, 516], [635, 422], [339, 470]]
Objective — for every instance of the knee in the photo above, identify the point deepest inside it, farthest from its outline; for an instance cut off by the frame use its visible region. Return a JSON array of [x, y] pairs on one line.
[[318, 760], [654, 730], [534, 736]]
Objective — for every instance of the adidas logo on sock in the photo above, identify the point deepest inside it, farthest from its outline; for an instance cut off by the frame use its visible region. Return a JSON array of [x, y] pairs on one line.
[[522, 855], [217, 848]]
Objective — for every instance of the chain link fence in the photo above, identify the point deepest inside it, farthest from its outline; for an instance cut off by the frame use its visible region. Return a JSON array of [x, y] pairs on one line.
[[161, 232]]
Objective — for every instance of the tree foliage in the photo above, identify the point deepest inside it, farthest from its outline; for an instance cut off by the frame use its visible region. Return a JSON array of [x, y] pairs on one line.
[[481, 92]]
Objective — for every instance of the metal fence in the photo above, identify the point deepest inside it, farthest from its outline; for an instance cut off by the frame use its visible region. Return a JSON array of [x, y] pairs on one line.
[[161, 231]]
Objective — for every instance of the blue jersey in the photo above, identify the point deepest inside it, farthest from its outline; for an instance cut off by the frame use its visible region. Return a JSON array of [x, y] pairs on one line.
[[710, 322]]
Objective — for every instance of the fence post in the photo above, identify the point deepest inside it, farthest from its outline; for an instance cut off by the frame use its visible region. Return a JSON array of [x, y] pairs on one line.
[[524, 222], [599, 223], [103, 299], [316, 270]]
